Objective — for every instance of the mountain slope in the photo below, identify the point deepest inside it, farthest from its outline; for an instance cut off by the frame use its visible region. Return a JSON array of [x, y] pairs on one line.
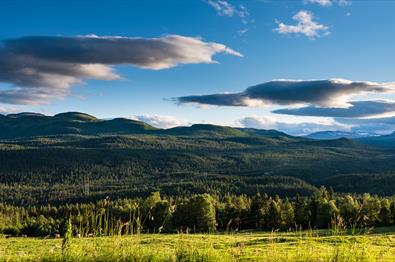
[[77, 156]]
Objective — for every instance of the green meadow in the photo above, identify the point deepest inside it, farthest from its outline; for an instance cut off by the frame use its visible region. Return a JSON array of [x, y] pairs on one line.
[[323, 245]]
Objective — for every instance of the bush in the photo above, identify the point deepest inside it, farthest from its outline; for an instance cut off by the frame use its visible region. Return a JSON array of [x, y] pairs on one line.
[[12, 231]]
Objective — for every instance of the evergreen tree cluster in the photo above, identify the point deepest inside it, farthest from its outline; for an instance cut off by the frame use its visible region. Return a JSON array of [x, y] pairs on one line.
[[199, 213]]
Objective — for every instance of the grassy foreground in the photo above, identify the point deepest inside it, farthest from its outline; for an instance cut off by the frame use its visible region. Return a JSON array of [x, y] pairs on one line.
[[299, 246]]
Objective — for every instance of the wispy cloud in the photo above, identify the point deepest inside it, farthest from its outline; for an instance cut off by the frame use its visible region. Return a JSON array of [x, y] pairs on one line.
[[242, 31], [222, 7], [319, 2], [343, 2], [326, 3], [41, 68], [244, 14], [305, 26], [225, 8], [161, 121], [322, 93]]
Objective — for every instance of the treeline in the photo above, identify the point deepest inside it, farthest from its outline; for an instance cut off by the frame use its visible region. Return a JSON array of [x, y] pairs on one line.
[[200, 213]]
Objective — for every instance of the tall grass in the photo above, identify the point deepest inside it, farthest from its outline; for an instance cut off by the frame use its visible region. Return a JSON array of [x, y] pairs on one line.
[[103, 223], [310, 245]]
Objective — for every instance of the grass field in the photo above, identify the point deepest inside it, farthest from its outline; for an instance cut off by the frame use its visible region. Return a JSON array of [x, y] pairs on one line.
[[268, 246]]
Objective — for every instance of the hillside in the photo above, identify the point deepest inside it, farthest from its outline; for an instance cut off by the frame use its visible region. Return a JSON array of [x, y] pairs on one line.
[[75, 156]]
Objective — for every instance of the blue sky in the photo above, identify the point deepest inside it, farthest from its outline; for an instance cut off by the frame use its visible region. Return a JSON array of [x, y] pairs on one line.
[[298, 39]]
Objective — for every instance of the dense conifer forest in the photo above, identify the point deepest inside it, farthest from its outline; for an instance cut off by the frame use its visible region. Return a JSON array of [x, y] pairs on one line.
[[201, 213]]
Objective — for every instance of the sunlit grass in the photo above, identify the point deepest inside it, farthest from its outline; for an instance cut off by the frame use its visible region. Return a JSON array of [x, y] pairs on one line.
[[268, 246]]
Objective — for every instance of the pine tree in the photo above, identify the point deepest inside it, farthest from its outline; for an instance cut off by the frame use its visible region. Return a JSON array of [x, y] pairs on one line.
[[255, 216], [385, 216], [273, 216], [301, 212], [288, 216], [202, 213]]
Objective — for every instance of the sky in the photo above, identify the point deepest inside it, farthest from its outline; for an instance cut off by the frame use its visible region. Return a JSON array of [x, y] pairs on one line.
[[299, 66]]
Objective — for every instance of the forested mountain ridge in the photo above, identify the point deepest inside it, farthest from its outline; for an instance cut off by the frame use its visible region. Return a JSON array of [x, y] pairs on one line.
[[34, 124], [75, 157], [31, 124]]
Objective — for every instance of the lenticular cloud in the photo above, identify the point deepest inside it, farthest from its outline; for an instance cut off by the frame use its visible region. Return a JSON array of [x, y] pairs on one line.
[[41, 68], [321, 93]]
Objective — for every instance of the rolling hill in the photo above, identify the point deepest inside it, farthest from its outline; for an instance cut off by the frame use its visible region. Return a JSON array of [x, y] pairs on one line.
[[77, 157]]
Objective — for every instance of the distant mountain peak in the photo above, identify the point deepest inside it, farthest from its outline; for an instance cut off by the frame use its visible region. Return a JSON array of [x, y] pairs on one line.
[[205, 129], [265, 132], [76, 116], [329, 135], [25, 114], [126, 122]]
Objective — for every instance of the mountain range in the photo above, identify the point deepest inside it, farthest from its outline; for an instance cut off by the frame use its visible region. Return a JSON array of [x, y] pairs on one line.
[[24, 125], [75, 156]]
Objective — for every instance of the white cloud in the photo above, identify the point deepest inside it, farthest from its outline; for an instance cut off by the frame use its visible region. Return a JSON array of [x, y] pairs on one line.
[[326, 3], [305, 26], [296, 127], [6, 109], [320, 2], [258, 122], [160, 121]]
